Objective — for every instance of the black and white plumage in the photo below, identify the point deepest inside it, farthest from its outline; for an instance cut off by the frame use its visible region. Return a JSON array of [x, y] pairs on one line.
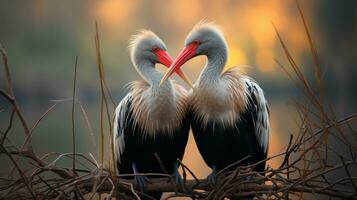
[[150, 119], [225, 139], [229, 113]]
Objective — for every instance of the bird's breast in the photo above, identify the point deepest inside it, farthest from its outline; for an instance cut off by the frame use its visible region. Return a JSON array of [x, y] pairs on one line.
[[214, 103], [158, 111]]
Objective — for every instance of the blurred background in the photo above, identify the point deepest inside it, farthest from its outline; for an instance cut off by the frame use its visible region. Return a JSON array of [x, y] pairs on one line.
[[43, 37]]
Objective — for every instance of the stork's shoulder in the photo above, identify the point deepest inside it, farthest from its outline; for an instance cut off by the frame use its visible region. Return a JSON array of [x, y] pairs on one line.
[[233, 73], [234, 79], [124, 104], [121, 113], [137, 87], [254, 90], [238, 81]]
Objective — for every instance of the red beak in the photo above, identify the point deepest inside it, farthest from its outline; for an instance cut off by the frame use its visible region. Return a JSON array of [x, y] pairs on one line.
[[166, 60], [164, 57], [186, 54]]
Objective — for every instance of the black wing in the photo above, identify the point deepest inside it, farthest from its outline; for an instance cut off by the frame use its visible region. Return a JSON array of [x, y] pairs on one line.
[[120, 120], [260, 113]]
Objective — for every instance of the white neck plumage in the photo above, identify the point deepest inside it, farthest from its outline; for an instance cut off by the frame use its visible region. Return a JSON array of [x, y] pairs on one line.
[[218, 98], [156, 96], [152, 76], [216, 60], [156, 108]]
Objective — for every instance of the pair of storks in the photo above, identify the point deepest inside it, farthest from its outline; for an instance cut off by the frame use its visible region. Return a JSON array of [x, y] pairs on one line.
[[227, 111]]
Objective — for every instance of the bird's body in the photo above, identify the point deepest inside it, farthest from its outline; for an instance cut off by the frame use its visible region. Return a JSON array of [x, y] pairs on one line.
[[224, 121], [148, 129], [228, 111], [151, 120]]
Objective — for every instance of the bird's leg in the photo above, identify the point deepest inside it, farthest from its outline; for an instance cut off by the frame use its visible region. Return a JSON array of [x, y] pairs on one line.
[[140, 180], [178, 178], [212, 177]]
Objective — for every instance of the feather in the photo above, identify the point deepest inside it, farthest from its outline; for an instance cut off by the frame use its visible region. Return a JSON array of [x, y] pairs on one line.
[[261, 123], [158, 111], [120, 119]]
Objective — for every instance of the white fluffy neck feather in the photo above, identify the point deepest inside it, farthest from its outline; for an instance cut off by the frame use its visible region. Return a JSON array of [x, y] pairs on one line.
[[219, 97], [215, 65], [156, 108]]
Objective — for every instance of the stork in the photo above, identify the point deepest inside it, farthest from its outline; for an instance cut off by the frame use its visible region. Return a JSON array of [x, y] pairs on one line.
[[229, 113], [150, 119]]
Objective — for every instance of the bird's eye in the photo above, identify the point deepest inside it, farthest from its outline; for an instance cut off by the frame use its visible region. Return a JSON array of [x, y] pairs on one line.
[[196, 42], [155, 48]]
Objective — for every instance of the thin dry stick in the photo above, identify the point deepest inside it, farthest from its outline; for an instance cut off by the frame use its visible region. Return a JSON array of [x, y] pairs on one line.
[[188, 169], [8, 127], [7, 70], [84, 113], [313, 49], [72, 116], [42, 117], [317, 65], [22, 174], [165, 171], [348, 174], [308, 92], [11, 97], [104, 101], [97, 45], [101, 67]]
